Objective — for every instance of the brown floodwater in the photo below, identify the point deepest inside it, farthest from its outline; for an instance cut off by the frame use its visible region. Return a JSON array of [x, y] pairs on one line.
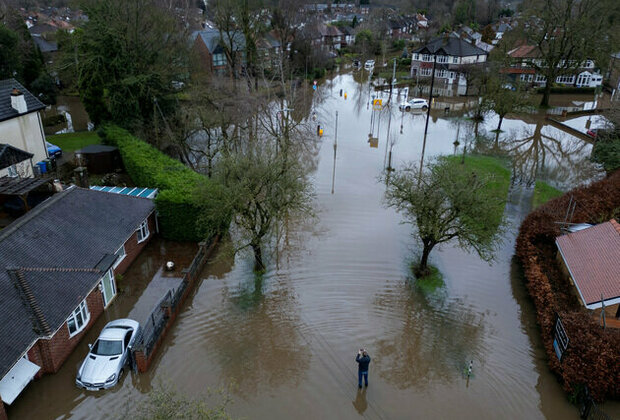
[[287, 341]]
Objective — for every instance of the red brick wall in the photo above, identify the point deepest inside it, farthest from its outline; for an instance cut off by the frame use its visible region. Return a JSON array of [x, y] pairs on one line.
[[3, 415], [133, 248], [206, 60], [51, 354]]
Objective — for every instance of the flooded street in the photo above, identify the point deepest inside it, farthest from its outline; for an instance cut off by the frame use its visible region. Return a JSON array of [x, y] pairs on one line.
[[287, 341]]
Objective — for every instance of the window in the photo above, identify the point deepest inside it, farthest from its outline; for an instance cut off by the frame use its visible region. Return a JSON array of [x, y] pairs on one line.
[[427, 57], [442, 58], [120, 255], [219, 60], [416, 57], [569, 80], [12, 171], [455, 60], [526, 77], [425, 72], [78, 319], [452, 75], [442, 74], [589, 64], [143, 231], [540, 78]]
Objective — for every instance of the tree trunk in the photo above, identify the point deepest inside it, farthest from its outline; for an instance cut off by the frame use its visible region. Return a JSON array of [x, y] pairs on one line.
[[258, 258], [499, 126], [546, 94], [423, 266]]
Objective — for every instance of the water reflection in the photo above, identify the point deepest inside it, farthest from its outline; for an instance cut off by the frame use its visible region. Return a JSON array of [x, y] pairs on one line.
[[360, 402], [445, 332]]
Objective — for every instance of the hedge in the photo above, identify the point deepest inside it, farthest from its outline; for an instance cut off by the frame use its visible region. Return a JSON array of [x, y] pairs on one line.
[[593, 358], [180, 201], [567, 90]]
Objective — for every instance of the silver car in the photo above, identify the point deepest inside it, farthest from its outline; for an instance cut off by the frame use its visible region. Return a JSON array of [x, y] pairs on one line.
[[415, 103], [106, 360]]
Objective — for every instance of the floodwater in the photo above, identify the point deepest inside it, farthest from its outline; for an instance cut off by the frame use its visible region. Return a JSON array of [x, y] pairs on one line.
[[74, 111], [286, 341]]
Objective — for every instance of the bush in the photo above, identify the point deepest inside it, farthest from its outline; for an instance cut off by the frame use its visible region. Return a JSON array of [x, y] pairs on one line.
[[593, 357], [177, 204], [606, 151]]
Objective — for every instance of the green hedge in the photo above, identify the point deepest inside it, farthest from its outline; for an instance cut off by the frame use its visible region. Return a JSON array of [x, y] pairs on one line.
[[180, 202]]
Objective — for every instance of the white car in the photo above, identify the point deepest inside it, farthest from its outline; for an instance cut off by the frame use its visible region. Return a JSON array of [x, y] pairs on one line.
[[369, 64], [106, 360], [415, 103]]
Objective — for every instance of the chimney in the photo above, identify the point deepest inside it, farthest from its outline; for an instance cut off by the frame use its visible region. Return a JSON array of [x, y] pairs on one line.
[[18, 101]]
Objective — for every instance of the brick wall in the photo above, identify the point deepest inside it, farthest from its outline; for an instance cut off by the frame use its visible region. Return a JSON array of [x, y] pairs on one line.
[[51, 354], [3, 415], [133, 248], [206, 60]]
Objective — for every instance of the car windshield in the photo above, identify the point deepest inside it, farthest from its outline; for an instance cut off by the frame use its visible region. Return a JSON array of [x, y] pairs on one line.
[[107, 348]]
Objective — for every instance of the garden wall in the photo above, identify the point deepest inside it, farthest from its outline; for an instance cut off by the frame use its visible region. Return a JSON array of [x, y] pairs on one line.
[[593, 356]]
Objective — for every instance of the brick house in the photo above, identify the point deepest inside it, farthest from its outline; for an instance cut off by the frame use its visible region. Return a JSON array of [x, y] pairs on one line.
[[212, 55], [57, 268]]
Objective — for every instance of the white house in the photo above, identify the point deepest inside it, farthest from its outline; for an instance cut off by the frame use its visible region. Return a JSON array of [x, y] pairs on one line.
[[21, 127], [452, 56]]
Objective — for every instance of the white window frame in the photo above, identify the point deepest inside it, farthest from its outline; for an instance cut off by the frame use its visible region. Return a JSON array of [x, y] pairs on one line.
[[143, 231], [416, 57], [441, 74], [541, 79], [427, 57], [219, 59], [455, 60], [426, 71], [81, 312], [566, 79], [442, 59], [120, 256]]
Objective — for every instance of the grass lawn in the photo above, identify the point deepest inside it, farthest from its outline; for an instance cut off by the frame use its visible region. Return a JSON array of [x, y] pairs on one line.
[[430, 283], [494, 168], [544, 192], [70, 142]]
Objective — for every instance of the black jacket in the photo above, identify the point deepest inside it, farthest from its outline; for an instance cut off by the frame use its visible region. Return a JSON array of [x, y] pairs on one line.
[[363, 362]]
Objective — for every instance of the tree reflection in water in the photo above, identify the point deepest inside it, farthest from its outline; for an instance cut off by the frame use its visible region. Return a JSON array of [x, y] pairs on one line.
[[258, 342], [437, 337], [541, 151]]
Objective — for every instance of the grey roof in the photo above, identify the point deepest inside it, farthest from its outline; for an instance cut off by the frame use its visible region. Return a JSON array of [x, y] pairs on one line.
[[10, 155], [6, 110], [44, 45], [211, 38], [450, 45], [59, 249]]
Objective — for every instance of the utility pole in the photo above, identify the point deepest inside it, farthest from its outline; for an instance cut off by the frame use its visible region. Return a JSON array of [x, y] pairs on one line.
[[335, 148], [393, 80], [428, 114]]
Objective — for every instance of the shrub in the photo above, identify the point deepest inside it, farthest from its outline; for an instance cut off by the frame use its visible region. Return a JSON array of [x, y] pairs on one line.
[[606, 151], [177, 204], [593, 357], [567, 90], [53, 120]]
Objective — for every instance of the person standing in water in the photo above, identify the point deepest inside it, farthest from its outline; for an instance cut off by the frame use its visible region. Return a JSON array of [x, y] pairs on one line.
[[363, 360]]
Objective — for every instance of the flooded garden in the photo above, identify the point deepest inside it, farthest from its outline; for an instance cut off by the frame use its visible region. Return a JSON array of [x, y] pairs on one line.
[[284, 343]]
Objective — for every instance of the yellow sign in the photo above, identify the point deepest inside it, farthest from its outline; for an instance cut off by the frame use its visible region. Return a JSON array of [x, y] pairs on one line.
[[376, 104], [374, 142]]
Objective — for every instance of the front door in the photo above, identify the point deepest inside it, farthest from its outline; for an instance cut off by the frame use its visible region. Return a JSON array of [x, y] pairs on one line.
[[108, 287]]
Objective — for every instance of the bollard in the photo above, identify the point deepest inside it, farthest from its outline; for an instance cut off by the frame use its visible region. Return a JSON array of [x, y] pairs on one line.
[[345, 96], [321, 132]]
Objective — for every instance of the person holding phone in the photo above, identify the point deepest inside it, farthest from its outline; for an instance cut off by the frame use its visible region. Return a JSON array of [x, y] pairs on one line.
[[363, 360]]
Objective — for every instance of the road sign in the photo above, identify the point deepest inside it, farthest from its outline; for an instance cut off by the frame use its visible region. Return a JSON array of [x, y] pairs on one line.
[[376, 104], [560, 339]]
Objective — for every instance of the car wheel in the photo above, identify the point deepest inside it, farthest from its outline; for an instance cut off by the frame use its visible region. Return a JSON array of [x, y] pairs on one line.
[[424, 108], [408, 108]]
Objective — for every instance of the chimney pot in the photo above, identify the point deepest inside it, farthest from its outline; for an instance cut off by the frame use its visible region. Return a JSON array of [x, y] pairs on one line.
[[18, 101]]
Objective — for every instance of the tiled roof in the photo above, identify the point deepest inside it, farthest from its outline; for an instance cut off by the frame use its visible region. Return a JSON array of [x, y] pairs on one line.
[[450, 45], [592, 256], [61, 242], [211, 39], [6, 110], [525, 51]]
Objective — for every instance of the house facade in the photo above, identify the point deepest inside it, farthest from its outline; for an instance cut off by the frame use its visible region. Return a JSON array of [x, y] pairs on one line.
[[21, 126], [211, 53], [58, 264], [451, 56], [522, 69]]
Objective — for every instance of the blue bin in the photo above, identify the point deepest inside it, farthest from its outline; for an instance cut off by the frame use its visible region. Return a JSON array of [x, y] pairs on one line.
[[42, 166]]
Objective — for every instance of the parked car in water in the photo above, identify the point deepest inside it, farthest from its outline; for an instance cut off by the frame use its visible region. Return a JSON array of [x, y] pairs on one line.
[[107, 358], [357, 64], [52, 150], [415, 103], [369, 64]]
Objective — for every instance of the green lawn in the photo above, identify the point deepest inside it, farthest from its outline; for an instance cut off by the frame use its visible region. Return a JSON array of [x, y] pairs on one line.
[[544, 192], [494, 168], [71, 142]]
